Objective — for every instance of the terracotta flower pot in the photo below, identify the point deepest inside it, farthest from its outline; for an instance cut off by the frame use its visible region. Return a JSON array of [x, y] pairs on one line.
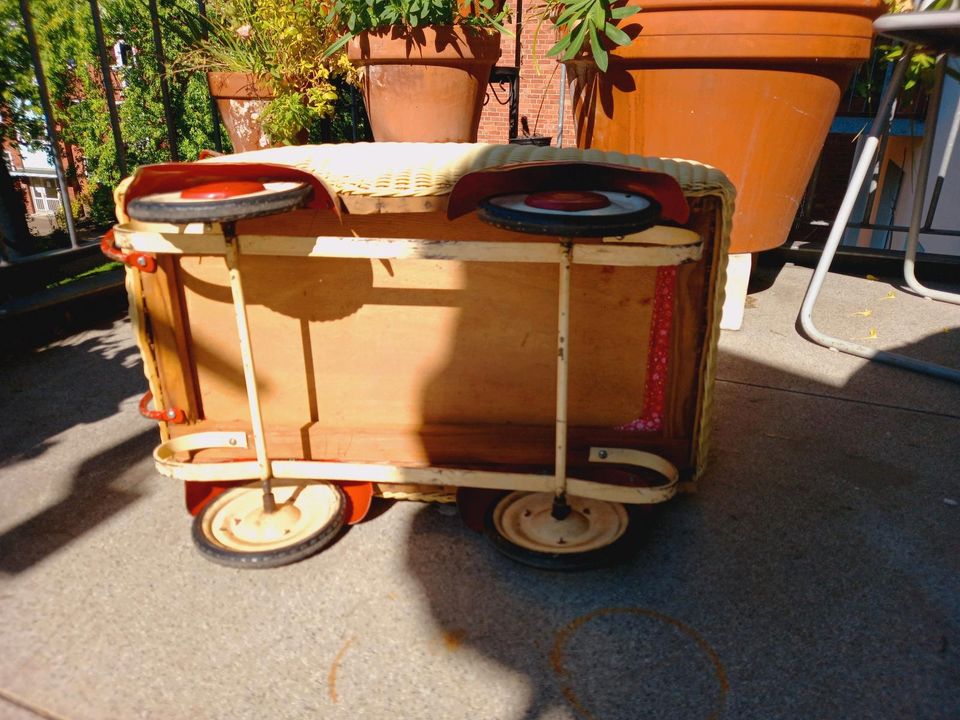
[[750, 87], [425, 85], [240, 99]]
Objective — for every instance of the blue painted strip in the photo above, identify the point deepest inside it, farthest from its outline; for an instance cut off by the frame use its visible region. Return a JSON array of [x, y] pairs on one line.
[[852, 125]]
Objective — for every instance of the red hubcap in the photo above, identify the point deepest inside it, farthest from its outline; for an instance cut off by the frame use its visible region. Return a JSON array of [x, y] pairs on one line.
[[222, 190], [567, 200]]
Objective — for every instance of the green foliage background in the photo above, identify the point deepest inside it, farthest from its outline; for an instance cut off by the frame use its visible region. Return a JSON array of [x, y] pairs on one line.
[[65, 35]]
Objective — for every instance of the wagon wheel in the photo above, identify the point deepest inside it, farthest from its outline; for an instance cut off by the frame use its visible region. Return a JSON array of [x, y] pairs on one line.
[[234, 530], [595, 533], [571, 213], [220, 202]]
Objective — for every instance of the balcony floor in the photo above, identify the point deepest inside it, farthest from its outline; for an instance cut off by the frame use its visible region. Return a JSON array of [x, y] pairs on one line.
[[815, 575]]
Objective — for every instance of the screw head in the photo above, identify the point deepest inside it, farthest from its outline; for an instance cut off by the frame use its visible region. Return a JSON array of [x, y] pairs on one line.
[[602, 454], [171, 413], [141, 261]]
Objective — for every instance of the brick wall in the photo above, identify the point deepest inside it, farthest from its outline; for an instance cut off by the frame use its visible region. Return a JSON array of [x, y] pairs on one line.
[[539, 84]]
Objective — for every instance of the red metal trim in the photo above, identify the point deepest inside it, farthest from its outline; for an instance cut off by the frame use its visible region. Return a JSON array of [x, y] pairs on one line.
[[170, 415], [140, 261], [567, 200], [222, 190], [359, 496]]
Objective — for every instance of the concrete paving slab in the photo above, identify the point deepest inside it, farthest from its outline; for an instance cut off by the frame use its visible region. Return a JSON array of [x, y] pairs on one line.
[[815, 575]]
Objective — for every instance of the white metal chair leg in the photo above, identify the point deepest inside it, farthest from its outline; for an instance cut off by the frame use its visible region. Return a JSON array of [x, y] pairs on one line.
[[863, 167], [910, 256]]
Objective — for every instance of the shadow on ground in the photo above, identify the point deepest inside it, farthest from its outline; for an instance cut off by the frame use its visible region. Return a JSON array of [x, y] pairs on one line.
[[78, 380], [90, 500], [814, 575], [48, 391]]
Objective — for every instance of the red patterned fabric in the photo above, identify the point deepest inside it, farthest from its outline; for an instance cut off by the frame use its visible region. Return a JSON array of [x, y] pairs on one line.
[[658, 360]]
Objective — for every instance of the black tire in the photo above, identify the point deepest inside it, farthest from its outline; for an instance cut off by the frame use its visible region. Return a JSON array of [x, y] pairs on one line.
[[616, 552], [156, 208], [570, 225], [216, 552]]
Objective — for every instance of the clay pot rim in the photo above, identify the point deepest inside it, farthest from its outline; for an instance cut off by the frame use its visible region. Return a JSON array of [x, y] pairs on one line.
[[239, 85], [869, 8], [689, 33], [446, 44]]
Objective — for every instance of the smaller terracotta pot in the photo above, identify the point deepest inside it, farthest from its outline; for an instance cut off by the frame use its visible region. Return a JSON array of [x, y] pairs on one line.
[[240, 99], [426, 84]]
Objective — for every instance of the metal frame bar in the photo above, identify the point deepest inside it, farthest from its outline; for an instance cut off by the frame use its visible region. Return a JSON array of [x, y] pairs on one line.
[[863, 167], [249, 370], [563, 370], [50, 121], [214, 113], [108, 90], [564, 253], [164, 86], [291, 472]]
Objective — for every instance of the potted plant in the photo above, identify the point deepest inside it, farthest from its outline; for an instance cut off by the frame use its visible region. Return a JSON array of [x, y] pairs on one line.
[[424, 64], [749, 86], [269, 69]]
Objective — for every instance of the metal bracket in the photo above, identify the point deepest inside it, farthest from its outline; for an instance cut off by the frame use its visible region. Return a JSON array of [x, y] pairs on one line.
[[138, 260], [170, 415]]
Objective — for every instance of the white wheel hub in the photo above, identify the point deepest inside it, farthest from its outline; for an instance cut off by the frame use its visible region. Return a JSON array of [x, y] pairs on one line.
[[525, 519], [236, 520]]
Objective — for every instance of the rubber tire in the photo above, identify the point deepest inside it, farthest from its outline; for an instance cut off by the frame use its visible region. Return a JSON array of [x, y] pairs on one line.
[[612, 554], [270, 558], [147, 209], [569, 225]]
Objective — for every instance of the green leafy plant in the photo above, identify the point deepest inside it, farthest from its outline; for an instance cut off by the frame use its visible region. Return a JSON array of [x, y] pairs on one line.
[[586, 22], [353, 17], [920, 71], [285, 44]]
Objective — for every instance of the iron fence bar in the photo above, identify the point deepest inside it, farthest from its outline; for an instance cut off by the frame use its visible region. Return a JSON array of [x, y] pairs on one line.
[[51, 126], [164, 87], [353, 113], [214, 114], [108, 90]]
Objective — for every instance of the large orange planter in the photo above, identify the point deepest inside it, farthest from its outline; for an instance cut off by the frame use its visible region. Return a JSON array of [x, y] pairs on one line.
[[427, 84], [749, 87]]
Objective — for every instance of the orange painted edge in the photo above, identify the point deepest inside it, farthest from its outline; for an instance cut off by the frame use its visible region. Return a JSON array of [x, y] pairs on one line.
[[359, 497]]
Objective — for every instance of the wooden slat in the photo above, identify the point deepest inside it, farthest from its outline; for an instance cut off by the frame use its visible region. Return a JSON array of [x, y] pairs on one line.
[[693, 301], [585, 253], [169, 331]]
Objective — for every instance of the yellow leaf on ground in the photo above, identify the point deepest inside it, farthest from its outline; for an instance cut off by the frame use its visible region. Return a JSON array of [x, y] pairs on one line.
[[889, 296], [873, 334], [864, 313], [872, 277]]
